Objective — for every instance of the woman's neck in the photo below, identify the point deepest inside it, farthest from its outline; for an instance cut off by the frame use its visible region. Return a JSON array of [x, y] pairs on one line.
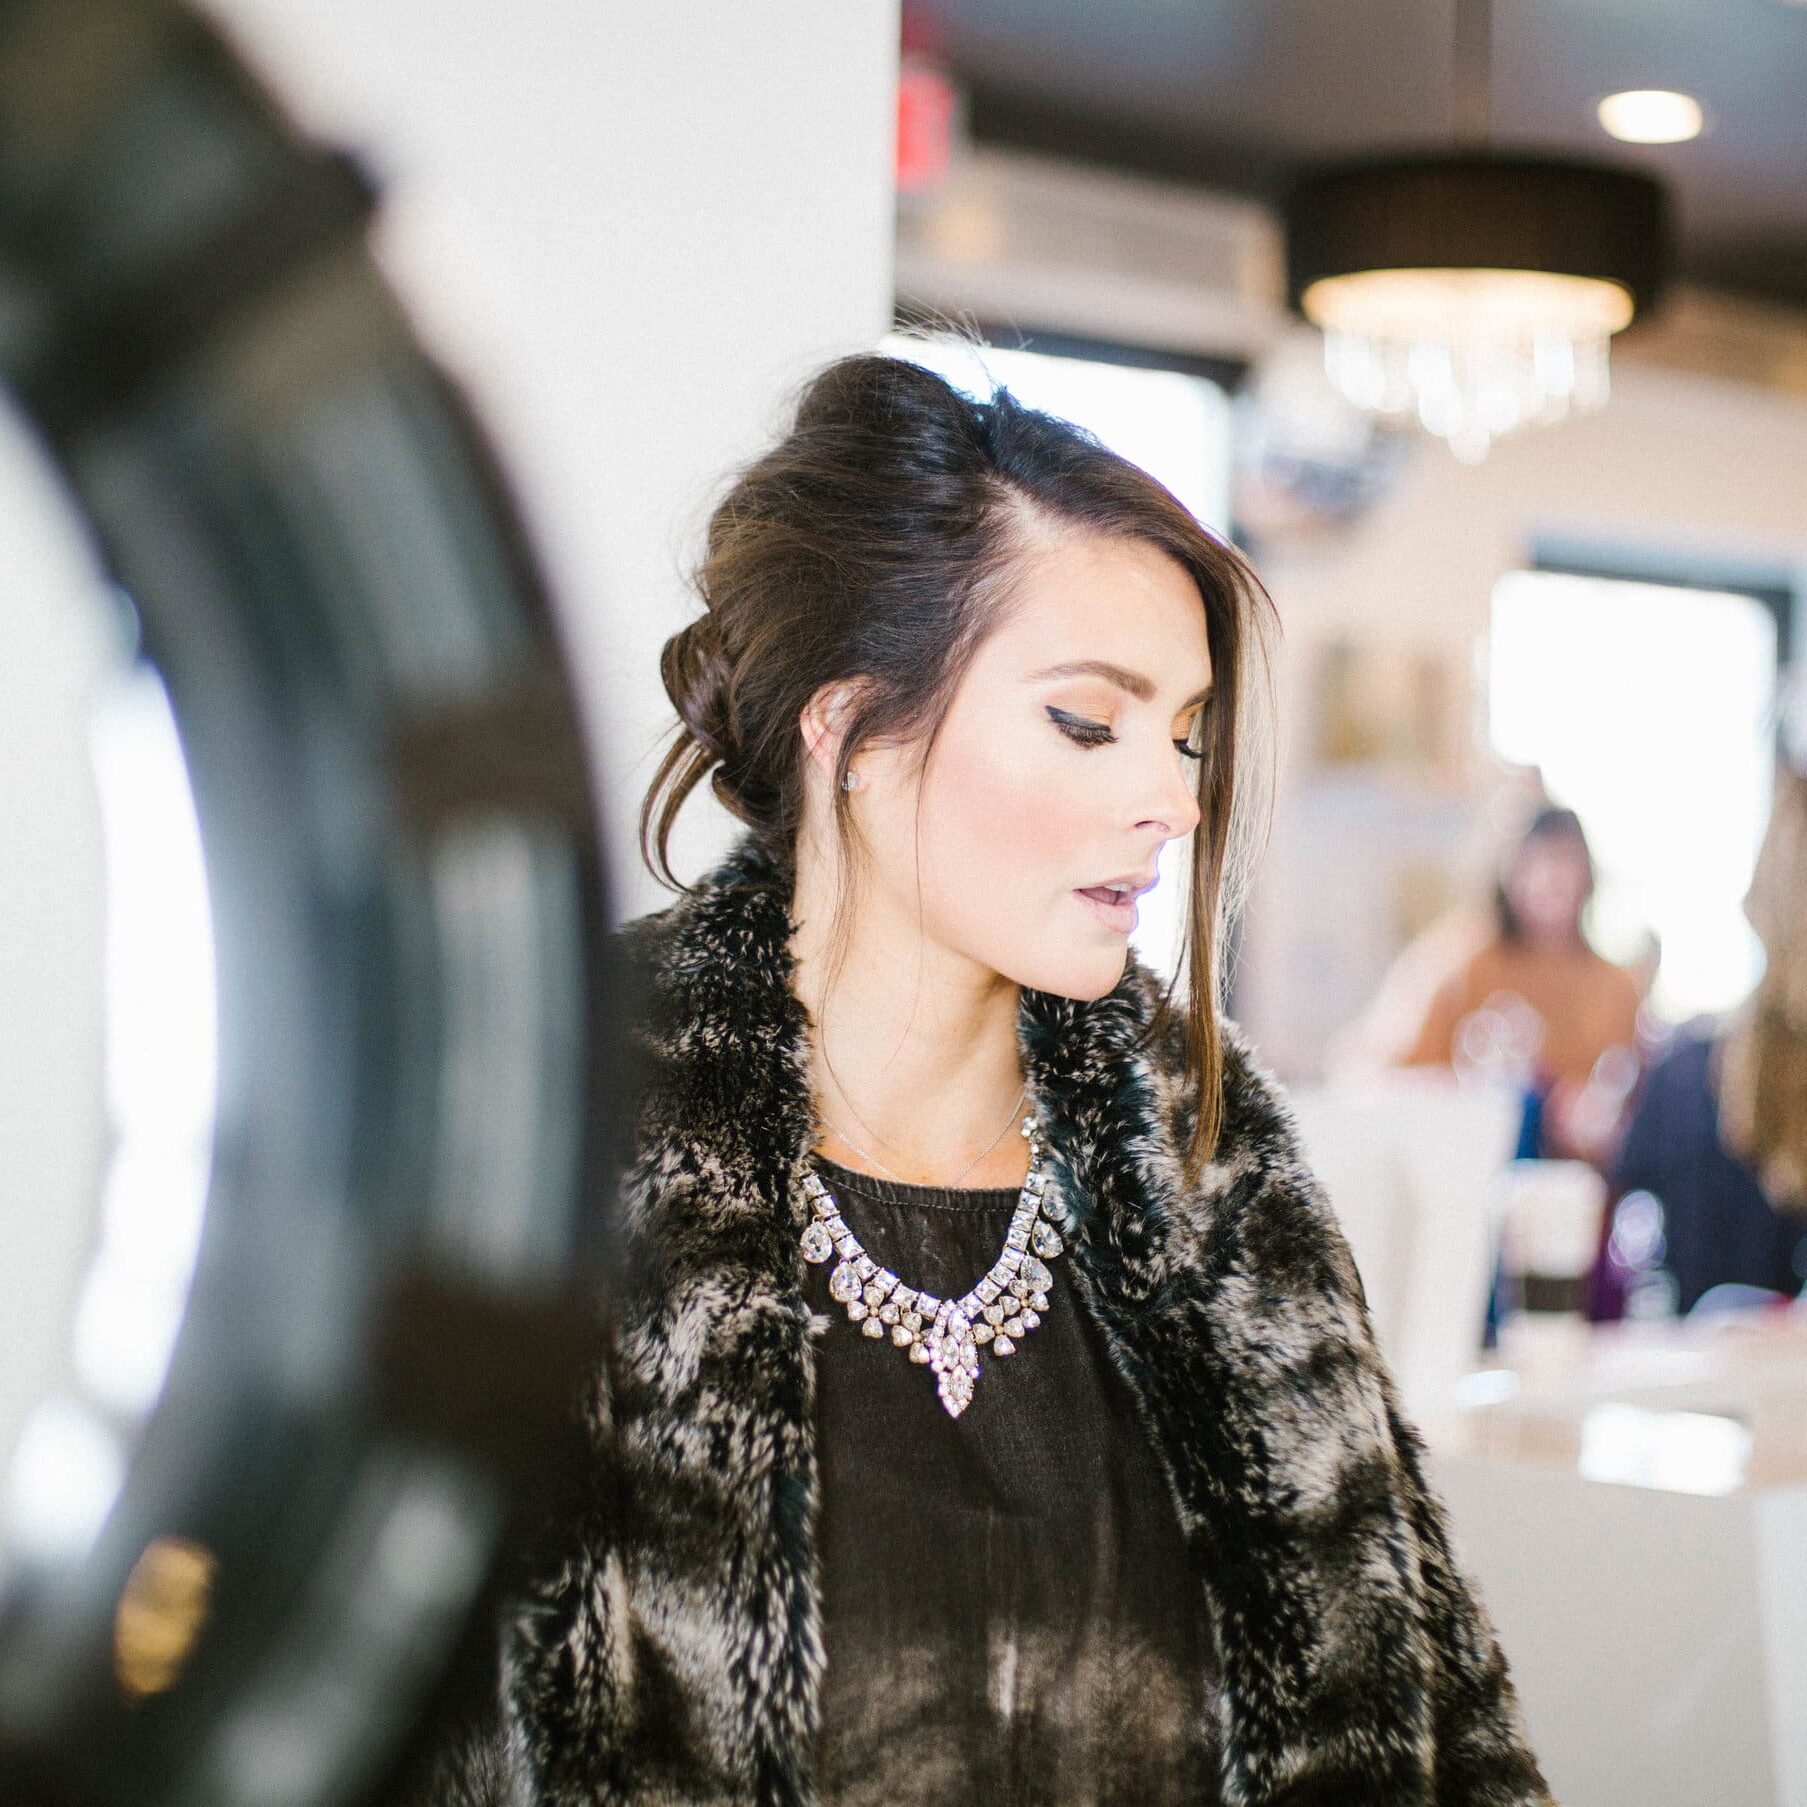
[[1006, 1166], [914, 1063]]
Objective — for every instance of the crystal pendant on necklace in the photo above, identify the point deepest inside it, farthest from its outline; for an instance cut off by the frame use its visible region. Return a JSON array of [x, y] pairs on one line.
[[818, 1245], [954, 1356]]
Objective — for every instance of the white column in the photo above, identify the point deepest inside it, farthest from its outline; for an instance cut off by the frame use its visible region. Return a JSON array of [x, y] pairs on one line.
[[631, 229]]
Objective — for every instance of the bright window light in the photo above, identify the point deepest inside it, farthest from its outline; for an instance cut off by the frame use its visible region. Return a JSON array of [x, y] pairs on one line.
[[162, 1052], [1678, 1452], [1645, 706], [1176, 426]]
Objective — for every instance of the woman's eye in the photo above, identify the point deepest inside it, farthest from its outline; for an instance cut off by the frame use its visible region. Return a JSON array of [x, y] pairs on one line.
[[1087, 734], [1096, 734]]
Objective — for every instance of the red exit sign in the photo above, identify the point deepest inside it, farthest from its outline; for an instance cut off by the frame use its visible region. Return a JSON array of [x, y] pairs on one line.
[[928, 110]]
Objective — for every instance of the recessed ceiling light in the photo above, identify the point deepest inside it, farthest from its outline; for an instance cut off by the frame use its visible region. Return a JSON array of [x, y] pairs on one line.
[[1651, 116]]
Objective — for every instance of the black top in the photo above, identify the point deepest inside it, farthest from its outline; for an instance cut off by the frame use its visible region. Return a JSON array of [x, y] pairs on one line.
[[1008, 1611]]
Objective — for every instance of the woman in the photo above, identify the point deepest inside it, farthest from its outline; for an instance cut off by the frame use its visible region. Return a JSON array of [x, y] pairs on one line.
[[1134, 1517], [1716, 1135], [1528, 961]]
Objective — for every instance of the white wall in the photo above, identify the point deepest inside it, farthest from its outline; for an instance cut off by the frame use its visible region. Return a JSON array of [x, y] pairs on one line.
[[1674, 461], [630, 229]]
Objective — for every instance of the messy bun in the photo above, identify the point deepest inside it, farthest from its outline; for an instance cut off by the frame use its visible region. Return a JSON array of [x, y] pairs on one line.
[[698, 679], [872, 546]]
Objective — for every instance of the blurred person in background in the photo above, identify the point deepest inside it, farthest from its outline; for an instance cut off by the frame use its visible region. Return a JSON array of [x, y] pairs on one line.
[[1516, 988], [1709, 1185]]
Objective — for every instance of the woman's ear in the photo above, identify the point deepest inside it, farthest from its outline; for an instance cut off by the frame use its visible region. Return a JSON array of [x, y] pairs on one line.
[[824, 720]]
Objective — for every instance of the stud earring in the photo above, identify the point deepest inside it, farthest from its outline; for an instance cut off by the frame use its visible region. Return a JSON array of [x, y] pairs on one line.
[[851, 781]]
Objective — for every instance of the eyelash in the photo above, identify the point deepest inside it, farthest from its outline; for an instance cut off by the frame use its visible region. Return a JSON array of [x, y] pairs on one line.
[[1095, 734]]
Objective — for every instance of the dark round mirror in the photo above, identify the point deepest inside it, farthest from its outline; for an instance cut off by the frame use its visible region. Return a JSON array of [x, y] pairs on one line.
[[308, 1090]]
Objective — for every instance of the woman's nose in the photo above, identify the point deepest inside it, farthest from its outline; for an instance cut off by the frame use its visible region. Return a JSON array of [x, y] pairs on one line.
[[1175, 801]]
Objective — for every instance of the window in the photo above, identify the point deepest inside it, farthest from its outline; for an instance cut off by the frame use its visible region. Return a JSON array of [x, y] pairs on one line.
[[1646, 708], [1173, 423]]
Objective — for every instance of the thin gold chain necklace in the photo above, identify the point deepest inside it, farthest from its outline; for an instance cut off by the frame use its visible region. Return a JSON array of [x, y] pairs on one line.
[[958, 1177]]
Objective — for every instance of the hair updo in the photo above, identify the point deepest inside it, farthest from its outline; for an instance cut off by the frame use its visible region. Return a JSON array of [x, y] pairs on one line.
[[698, 679], [873, 545]]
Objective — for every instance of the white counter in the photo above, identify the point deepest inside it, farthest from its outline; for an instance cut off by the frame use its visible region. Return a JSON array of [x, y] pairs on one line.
[[1633, 1507]]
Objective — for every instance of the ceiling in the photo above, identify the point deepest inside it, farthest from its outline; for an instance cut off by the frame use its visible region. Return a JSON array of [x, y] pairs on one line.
[[1237, 94]]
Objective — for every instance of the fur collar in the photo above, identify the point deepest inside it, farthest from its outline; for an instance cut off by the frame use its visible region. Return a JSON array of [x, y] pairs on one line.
[[673, 1653]]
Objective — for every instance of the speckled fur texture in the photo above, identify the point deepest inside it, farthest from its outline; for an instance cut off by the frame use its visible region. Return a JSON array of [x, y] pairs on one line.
[[672, 1652]]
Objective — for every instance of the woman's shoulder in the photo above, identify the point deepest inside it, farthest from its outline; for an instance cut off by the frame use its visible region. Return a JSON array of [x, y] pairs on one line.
[[1616, 980], [1259, 1120], [656, 952], [1259, 1126], [643, 936], [1259, 1200]]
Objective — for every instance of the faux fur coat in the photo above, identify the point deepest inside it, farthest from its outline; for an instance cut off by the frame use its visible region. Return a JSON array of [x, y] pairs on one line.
[[672, 1650]]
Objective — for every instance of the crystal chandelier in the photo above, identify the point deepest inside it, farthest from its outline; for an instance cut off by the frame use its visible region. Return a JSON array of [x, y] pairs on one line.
[[1477, 289], [1473, 353]]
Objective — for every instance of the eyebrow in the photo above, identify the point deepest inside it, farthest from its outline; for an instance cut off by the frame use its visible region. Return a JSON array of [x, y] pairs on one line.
[[1141, 688]]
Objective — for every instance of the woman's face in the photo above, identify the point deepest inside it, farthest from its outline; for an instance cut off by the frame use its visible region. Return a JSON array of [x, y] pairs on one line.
[[1548, 887], [1046, 781]]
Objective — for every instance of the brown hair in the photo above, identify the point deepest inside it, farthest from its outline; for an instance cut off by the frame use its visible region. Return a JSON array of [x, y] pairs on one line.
[[874, 544]]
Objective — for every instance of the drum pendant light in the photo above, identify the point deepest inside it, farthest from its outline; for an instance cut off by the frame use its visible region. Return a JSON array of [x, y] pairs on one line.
[[1477, 288]]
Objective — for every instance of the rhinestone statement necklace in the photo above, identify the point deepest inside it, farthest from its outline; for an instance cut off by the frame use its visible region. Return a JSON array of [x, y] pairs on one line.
[[946, 1334]]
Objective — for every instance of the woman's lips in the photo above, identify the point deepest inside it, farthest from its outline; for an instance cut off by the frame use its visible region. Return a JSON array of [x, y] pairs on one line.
[[1118, 916]]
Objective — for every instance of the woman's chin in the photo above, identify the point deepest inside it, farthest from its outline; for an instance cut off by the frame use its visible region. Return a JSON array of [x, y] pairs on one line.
[[1083, 978]]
